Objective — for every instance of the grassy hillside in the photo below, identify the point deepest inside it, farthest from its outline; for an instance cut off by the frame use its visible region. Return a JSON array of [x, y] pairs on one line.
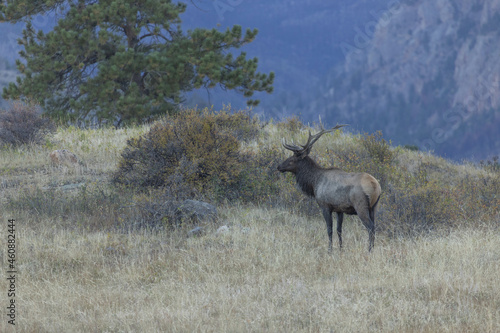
[[81, 268]]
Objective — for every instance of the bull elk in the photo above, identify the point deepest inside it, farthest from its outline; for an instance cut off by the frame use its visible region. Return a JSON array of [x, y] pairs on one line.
[[334, 190]]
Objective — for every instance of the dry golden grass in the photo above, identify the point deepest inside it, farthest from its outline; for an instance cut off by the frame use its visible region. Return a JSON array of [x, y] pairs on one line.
[[275, 276], [29, 166]]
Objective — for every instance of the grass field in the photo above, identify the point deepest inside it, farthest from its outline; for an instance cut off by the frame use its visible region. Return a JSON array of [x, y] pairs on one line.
[[271, 272]]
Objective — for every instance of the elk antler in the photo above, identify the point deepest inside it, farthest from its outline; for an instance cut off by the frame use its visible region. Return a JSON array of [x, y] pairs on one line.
[[292, 147], [304, 150]]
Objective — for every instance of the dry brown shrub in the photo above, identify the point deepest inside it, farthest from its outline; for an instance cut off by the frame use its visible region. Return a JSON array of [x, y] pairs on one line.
[[195, 152], [23, 123]]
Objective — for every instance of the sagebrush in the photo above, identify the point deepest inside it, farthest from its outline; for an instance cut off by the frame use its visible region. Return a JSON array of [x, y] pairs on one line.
[[22, 123], [195, 153]]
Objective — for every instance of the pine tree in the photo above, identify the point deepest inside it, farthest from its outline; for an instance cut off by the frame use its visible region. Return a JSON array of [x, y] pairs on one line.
[[124, 60]]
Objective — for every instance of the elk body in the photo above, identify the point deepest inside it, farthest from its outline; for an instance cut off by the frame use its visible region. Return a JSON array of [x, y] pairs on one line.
[[334, 190]]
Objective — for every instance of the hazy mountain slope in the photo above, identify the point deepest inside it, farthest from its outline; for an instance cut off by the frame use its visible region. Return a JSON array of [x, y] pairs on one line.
[[430, 76], [299, 40]]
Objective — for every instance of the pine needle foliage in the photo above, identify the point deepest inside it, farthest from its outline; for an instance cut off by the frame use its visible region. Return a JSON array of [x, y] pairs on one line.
[[124, 60]]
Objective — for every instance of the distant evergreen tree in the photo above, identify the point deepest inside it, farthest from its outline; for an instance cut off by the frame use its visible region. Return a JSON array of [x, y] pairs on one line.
[[124, 60]]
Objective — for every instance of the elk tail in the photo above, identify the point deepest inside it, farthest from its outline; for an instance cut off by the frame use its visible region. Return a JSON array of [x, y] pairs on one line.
[[376, 202]]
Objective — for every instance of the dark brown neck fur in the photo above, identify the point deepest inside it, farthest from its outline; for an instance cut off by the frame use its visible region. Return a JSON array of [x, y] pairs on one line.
[[307, 175]]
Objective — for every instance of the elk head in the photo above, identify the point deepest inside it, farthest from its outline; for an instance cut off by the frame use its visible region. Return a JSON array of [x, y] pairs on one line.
[[302, 151]]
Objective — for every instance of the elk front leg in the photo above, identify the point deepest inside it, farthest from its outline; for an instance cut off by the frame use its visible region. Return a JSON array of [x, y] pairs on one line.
[[340, 219], [327, 214]]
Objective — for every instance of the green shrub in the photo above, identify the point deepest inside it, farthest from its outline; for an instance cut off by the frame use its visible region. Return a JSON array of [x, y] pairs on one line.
[[413, 203], [194, 153], [242, 125], [292, 124], [372, 155], [407, 209], [492, 164], [378, 148], [261, 183], [411, 147], [381, 155]]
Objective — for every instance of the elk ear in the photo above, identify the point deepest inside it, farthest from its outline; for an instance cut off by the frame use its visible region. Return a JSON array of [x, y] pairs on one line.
[[304, 153]]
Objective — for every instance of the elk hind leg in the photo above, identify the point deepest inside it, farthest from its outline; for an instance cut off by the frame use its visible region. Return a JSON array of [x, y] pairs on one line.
[[373, 209], [369, 223], [371, 230]]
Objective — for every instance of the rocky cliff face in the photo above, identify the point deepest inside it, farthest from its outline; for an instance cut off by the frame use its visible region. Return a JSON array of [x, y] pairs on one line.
[[426, 73]]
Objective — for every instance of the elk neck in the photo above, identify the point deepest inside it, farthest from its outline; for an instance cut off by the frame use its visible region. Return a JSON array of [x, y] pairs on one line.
[[308, 175]]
